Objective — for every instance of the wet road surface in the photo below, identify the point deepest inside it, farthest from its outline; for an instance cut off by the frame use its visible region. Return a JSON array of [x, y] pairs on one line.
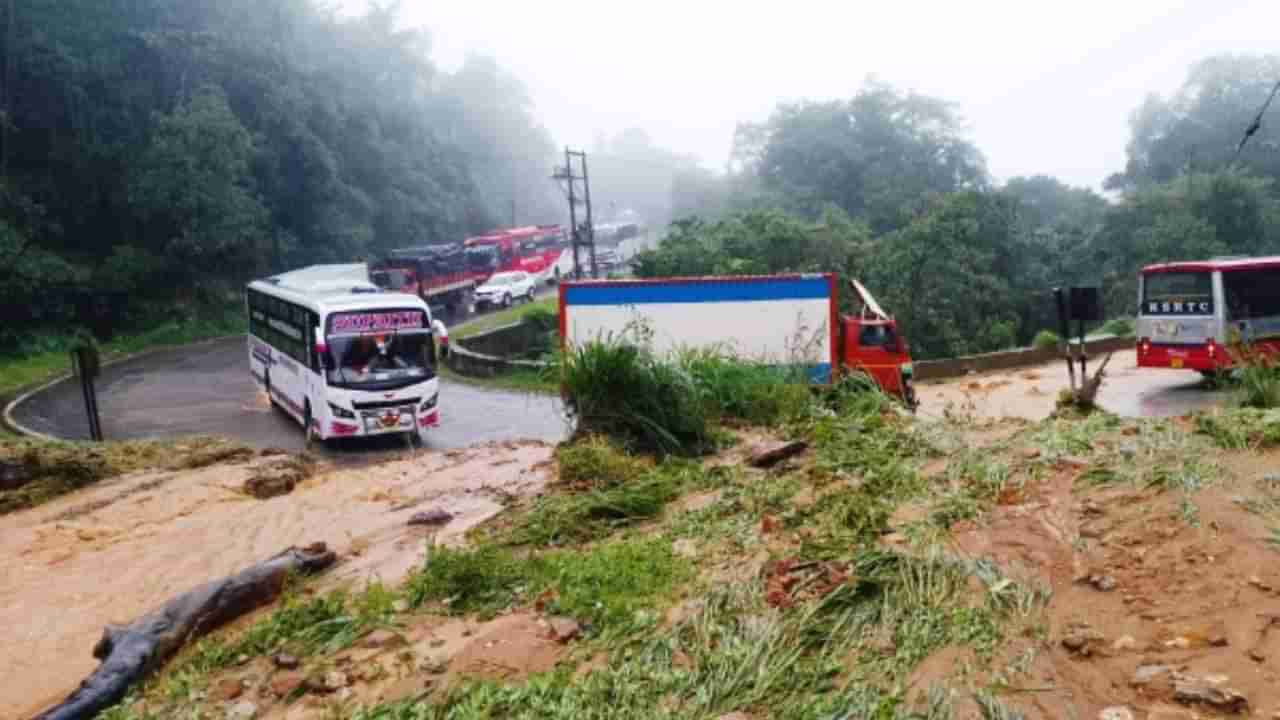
[[206, 389], [1031, 393]]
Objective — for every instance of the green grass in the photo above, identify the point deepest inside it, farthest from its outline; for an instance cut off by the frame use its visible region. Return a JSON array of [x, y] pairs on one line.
[[1120, 327], [514, 314], [519, 381], [46, 356], [1045, 339], [618, 388], [609, 586]]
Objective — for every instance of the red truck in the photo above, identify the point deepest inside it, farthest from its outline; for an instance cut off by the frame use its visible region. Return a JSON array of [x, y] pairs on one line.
[[790, 320], [872, 344], [439, 274]]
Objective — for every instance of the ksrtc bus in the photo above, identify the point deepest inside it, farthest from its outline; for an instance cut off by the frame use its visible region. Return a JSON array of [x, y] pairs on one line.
[[1191, 313], [340, 356], [534, 249]]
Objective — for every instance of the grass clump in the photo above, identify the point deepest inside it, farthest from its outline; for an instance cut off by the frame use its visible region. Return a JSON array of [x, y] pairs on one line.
[[620, 389], [595, 462], [605, 585], [1257, 378], [756, 394], [1045, 339], [1241, 429], [609, 491], [1120, 327]]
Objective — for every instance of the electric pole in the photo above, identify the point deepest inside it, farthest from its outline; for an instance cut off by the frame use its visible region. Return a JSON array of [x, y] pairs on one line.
[[568, 175]]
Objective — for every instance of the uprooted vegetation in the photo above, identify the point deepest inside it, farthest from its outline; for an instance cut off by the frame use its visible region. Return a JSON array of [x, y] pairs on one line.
[[36, 471], [896, 568]]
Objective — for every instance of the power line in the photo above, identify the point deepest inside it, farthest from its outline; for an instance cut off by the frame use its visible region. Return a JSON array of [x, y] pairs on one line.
[[1256, 125]]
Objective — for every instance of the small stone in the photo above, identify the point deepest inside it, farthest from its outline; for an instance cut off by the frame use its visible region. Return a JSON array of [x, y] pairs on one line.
[[1259, 583], [400, 606], [564, 629], [1123, 643], [1257, 655], [286, 683], [1030, 453], [769, 455], [1145, 674], [335, 680], [1116, 712], [1090, 531], [1178, 643], [685, 547], [437, 643], [1219, 640], [436, 666], [434, 516], [285, 661], [227, 689], [382, 639], [1208, 691], [242, 660], [344, 694], [1093, 508], [243, 710], [1271, 479], [1105, 583]]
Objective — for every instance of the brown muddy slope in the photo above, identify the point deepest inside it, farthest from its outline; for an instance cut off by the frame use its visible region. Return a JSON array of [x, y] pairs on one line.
[[119, 549]]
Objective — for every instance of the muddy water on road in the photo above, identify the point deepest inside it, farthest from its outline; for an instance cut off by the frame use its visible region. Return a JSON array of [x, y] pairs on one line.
[[1031, 393], [120, 549]]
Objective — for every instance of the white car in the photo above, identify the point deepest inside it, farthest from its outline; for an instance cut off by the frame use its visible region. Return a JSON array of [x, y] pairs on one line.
[[504, 288]]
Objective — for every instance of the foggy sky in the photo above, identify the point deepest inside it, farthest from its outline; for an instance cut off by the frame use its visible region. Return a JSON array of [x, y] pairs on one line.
[[1044, 87]]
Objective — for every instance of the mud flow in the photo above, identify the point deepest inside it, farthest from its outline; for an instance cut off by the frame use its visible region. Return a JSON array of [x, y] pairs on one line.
[[110, 553]]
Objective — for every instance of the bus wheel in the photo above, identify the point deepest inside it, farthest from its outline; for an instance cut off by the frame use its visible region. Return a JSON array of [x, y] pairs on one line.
[[266, 384]]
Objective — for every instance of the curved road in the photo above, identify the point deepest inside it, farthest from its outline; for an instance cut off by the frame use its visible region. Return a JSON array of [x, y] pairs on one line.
[[206, 389]]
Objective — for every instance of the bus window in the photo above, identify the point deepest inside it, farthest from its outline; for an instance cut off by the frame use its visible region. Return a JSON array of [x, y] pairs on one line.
[[380, 361], [1177, 293], [1252, 294]]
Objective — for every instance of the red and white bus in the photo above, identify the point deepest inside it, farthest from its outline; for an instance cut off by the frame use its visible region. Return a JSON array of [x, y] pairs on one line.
[[534, 249], [1190, 313]]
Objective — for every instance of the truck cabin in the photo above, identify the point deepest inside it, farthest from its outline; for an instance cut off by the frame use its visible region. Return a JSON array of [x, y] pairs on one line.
[[870, 343]]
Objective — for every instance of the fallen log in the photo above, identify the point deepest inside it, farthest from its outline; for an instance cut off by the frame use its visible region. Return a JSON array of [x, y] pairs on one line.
[[132, 652]]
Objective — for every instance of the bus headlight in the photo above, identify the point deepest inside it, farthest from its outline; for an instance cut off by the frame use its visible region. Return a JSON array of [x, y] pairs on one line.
[[341, 412], [429, 403]]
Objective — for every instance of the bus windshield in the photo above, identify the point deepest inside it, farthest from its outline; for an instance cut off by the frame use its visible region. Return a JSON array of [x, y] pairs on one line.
[[379, 351], [1177, 293]]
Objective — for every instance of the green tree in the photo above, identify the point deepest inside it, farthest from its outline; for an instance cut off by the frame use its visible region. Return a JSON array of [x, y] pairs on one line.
[[192, 192]]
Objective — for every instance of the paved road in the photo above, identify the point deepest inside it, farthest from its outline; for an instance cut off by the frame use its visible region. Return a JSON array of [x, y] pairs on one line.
[[207, 389]]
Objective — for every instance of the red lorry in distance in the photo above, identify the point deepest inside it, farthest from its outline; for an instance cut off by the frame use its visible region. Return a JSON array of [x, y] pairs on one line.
[[533, 249], [439, 274], [872, 344]]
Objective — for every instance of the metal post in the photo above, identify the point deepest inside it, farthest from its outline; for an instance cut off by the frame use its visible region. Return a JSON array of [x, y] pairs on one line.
[[1064, 330], [591, 229], [573, 215], [1084, 367]]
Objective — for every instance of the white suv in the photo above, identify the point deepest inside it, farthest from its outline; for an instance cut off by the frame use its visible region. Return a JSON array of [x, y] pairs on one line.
[[504, 288]]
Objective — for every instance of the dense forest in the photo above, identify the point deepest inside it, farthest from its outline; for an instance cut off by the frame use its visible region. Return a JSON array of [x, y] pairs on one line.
[[886, 187], [155, 154]]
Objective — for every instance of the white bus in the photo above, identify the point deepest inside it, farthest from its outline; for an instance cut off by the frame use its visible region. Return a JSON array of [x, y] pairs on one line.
[[340, 356]]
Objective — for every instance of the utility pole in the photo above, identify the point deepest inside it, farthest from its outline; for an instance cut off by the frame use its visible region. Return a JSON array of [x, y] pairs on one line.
[[591, 228], [575, 233]]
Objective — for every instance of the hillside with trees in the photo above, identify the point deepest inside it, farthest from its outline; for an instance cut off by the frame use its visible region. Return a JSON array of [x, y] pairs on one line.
[[886, 187], [154, 155]]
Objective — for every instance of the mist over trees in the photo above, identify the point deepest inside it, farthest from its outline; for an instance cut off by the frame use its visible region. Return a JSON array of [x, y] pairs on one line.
[[155, 154], [903, 201]]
